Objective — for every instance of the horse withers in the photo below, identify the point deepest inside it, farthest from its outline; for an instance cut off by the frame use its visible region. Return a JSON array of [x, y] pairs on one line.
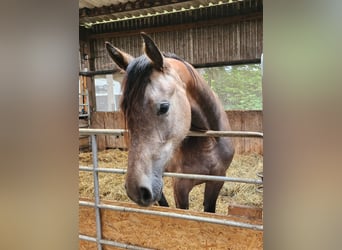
[[163, 98]]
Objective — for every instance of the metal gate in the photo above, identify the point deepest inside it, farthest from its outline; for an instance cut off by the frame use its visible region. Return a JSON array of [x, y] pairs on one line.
[[97, 204]]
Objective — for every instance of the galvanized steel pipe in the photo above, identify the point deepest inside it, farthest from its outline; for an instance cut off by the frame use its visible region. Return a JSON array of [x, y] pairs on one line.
[[180, 175], [212, 133], [175, 215], [97, 193], [112, 243]]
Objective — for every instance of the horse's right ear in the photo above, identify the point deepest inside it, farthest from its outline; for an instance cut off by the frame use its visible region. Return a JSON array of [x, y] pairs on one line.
[[152, 51], [122, 59]]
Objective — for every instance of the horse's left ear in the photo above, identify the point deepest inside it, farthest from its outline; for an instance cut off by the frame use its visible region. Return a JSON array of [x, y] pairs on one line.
[[152, 51], [121, 58]]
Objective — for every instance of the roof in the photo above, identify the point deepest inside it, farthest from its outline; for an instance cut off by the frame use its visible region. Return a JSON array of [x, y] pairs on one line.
[[92, 12]]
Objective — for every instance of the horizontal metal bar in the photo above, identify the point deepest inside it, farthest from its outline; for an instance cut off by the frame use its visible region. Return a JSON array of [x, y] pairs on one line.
[[212, 178], [179, 175], [97, 72], [226, 133], [92, 131], [104, 170], [111, 243], [175, 215]]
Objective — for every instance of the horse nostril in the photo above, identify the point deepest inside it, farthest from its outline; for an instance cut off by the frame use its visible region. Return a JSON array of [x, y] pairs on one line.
[[146, 195]]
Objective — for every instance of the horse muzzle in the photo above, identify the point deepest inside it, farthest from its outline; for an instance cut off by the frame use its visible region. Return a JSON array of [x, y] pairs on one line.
[[144, 193]]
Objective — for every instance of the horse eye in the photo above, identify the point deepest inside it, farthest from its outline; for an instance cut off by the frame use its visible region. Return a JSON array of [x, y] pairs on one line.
[[163, 108]]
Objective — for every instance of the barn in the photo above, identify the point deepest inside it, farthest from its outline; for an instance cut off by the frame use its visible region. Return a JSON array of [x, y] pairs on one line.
[[206, 33]]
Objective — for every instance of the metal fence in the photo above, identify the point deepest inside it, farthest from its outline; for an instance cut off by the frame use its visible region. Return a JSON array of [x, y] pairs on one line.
[[97, 204]]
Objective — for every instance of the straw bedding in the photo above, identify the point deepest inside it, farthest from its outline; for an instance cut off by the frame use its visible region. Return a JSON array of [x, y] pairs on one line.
[[112, 185]]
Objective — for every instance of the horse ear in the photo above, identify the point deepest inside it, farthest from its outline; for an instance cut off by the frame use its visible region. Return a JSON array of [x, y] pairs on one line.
[[152, 51], [122, 59]]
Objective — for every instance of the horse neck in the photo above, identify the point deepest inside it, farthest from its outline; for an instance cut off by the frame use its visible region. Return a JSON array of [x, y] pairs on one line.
[[206, 110]]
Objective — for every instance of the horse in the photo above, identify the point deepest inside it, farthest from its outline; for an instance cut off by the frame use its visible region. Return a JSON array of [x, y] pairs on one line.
[[163, 98]]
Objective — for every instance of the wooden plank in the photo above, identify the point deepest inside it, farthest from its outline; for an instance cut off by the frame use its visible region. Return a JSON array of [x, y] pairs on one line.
[[87, 245], [246, 121], [84, 143], [253, 213], [110, 124], [235, 120], [97, 121], [83, 123], [158, 232], [113, 120], [252, 120], [87, 224], [91, 92]]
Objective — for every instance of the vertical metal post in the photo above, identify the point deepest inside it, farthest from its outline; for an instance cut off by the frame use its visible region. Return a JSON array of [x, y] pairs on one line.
[[96, 193]]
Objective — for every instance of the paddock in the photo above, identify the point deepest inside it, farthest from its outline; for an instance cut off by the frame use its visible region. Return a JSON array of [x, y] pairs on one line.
[[112, 225]]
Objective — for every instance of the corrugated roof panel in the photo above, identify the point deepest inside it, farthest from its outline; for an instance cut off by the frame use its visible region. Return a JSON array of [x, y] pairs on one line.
[[105, 10]]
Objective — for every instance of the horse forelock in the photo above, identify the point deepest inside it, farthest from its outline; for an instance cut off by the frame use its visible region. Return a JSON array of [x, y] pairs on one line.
[[134, 85]]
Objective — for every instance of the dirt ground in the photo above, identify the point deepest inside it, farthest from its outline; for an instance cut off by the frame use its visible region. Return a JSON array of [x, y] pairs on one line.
[[112, 185]]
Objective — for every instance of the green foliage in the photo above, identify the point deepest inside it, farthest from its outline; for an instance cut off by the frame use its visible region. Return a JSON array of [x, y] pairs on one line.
[[239, 87]]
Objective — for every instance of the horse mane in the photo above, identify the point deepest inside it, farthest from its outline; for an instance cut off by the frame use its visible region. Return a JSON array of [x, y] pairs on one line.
[[207, 118]]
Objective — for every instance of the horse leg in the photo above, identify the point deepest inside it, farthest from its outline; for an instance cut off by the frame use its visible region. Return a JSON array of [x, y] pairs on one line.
[[163, 202], [181, 190], [212, 190]]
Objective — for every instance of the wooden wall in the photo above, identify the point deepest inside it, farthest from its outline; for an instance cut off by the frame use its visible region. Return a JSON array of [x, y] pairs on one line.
[[247, 121], [239, 121], [109, 120], [220, 44]]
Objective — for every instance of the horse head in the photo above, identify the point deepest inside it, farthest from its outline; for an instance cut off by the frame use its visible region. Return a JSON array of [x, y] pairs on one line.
[[157, 113]]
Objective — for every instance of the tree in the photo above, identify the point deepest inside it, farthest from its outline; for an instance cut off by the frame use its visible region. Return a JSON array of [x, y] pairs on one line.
[[239, 87]]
